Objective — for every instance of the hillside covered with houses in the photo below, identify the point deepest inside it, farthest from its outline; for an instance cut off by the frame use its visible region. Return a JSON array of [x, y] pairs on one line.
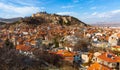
[[50, 41]]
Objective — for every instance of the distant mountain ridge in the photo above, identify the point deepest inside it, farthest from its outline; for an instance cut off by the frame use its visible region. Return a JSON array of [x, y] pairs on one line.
[[11, 20], [107, 24]]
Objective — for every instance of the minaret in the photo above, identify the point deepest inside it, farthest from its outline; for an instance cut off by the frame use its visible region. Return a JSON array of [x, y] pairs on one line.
[[15, 41], [8, 34]]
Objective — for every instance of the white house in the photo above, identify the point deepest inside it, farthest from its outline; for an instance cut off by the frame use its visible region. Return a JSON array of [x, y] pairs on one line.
[[85, 58], [113, 40], [95, 55], [109, 59]]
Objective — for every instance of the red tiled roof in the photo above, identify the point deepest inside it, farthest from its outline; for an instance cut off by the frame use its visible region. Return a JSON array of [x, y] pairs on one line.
[[109, 57], [97, 66], [65, 53], [116, 46], [23, 47], [118, 35]]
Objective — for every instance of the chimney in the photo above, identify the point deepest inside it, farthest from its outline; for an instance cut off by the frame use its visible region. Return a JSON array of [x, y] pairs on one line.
[[113, 57]]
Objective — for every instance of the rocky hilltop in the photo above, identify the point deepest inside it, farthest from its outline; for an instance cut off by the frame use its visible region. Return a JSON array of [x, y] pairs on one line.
[[44, 18]]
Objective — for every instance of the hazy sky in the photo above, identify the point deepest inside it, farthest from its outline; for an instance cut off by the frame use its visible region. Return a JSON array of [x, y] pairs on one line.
[[89, 11]]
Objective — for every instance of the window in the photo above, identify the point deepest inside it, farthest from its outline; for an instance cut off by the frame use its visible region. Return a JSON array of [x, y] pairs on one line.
[[105, 63], [118, 42], [113, 64]]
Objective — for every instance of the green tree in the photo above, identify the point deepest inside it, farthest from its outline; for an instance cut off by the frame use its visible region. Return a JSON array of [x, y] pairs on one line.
[[8, 45], [56, 42]]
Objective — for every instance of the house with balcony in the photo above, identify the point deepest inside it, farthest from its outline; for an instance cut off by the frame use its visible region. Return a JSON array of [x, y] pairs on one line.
[[110, 60]]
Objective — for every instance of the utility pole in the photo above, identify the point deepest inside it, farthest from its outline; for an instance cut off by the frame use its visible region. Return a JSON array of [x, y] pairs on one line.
[[119, 66]]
